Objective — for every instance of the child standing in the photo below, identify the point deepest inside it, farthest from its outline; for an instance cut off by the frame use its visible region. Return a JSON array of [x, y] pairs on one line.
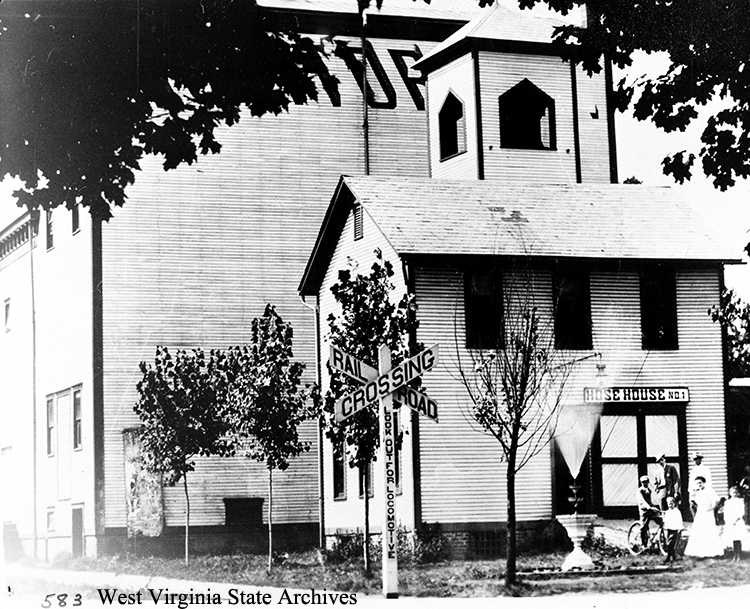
[[673, 526], [734, 530]]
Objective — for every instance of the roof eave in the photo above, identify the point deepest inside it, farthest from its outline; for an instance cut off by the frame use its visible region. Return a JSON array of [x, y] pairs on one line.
[[330, 229]]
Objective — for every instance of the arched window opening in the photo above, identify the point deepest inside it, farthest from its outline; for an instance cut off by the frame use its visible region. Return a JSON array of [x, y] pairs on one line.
[[527, 118], [452, 125]]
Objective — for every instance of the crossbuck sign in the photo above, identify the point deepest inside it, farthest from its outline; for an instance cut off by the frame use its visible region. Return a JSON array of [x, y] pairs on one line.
[[384, 385], [393, 380]]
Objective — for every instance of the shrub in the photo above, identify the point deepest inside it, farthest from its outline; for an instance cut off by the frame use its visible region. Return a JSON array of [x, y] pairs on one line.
[[599, 545], [431, 546]]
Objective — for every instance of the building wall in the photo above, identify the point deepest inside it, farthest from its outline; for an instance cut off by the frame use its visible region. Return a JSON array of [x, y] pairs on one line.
[[62, 288], [462, 476], [500, 72], [345, 516], [196, 253], [456, 77]]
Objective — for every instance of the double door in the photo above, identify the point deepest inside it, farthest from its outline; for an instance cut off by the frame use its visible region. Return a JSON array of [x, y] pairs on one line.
[[627, 442]]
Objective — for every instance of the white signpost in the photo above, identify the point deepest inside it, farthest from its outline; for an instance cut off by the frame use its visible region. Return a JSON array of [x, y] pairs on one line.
[[384, 385]]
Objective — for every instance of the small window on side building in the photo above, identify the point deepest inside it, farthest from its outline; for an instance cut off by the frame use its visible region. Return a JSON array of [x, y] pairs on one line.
[[51, 427], [484, 308], [339, 472], [75, 219], [366, 480], [7, 314], [77, 420], [658, 309], [50, 230], [572, 302]]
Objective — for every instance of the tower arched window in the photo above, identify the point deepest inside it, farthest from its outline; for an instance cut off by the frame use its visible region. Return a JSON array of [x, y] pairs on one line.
[[527, 118], [452, 125]]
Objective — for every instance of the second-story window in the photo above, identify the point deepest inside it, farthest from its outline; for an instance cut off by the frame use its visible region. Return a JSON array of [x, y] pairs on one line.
[[51, 438], [484, 308], [572, 302], [50, 231], [77, 420], [527, 118], [452, 127], [658, 309], [75, 219]]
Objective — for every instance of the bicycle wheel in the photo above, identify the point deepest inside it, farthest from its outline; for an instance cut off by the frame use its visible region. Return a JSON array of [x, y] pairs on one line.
[[661, 540], [635, 544]]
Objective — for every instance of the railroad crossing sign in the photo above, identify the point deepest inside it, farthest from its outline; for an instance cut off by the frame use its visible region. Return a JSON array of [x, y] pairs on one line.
[[383, 385], [386, 385]]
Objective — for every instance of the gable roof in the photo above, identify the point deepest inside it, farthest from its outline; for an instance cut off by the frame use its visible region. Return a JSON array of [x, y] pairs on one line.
[[492, 218]]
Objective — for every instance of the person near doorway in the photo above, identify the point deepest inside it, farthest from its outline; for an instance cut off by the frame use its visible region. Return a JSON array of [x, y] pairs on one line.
[[700, 470], [673, 526], [666, 482], [647, 509], [704, 538], [734, 530]]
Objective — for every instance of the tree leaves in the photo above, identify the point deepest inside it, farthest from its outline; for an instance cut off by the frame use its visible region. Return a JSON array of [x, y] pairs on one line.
[[90, 87], [734, 316]]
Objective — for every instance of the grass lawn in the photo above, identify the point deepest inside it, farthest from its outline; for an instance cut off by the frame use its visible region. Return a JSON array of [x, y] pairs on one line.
[[454, 578]]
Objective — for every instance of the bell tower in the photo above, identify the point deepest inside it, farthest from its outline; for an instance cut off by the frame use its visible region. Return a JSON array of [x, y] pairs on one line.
[[505, 103]]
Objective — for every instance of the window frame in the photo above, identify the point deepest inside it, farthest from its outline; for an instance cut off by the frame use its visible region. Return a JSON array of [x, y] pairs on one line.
[[51, 435], [77, 418], [454, 126], [7, 314], [572, 308], [517, 99], [657, 288], [339, 469], [75, 219], [478, 316], [369, 480], [50, 230]]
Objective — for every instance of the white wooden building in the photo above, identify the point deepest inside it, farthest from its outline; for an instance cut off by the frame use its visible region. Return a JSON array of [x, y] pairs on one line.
[[522, 160], [193, 256]]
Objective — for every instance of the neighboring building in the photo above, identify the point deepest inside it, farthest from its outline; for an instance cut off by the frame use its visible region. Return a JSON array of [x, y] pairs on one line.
[[521, 154], [193, 256]]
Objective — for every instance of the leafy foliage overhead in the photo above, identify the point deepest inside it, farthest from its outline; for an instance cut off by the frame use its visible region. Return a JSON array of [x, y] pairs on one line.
[[708, 43], [89, 87]]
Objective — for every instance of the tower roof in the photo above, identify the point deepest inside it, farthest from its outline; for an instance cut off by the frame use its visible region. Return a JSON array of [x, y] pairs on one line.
[[499, 24]]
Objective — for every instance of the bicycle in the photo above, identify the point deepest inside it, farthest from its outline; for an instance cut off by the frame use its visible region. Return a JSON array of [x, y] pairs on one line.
[[657, 538]]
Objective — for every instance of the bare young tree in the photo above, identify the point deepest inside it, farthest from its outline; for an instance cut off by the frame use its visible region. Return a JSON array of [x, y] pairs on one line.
[[516, 379]]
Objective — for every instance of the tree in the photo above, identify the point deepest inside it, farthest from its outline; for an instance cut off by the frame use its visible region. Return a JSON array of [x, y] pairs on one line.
[[734, 316], [180, 406], [89, 88], [515, 388], [708, 43], [368, 319], [266, 399]]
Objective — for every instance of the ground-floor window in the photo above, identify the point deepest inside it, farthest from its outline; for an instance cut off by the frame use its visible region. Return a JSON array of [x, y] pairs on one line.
[[628, 441]]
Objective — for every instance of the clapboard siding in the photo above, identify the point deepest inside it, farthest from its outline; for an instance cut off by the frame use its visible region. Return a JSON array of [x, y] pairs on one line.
[[456, 77], [348, 515], [198, 252], [499, 73], [592, 126], [462, 476]]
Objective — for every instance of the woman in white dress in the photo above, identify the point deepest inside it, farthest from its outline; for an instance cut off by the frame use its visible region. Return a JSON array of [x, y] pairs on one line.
[[704, 538]]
